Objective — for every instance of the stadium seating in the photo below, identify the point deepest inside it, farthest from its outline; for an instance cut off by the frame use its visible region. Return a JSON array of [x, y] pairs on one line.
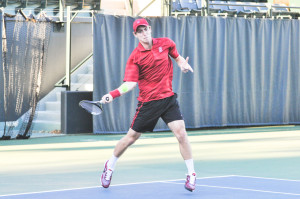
[[240, 9], [219, 8], [193, 6], [39, 5], [258, 10], [177, 9], [280, 10], [199, 4]]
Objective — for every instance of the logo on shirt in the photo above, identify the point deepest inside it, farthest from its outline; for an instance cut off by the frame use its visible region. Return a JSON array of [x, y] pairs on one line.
[[160, 49]]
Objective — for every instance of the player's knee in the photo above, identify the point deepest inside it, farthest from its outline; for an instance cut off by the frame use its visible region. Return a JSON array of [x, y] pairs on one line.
[[181, 135], [131, 139]]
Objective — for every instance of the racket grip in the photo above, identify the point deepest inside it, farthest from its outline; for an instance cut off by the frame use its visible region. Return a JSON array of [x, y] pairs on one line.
[[106, 99]]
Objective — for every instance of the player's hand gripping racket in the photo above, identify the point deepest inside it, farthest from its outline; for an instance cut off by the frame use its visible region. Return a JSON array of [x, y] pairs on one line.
[[93, 107]]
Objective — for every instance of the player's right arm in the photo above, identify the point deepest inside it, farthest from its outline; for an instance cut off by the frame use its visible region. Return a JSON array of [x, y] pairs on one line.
[[130, 80], [124, 88]]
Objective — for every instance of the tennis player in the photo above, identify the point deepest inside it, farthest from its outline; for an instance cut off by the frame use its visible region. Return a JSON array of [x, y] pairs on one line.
[[150, 66]]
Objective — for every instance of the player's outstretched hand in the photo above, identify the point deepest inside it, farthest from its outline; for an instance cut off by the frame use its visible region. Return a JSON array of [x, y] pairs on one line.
[[184, 65]]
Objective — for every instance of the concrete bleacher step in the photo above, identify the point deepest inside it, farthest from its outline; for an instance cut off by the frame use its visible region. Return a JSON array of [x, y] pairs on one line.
[[82, 87], [58, 96], [83, 78], [52, 106], [43, 125], [89, 69], [49, 115]]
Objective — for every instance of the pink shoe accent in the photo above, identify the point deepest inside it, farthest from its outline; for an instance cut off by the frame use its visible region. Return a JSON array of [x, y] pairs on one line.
[[190, 183], [106, 176]]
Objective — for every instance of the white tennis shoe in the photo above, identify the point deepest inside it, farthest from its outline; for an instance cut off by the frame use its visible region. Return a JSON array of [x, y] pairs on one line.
[[106, 176], [190, 183]]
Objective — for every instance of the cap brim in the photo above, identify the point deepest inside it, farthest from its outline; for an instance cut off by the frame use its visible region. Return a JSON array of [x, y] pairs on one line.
[[144, 24]]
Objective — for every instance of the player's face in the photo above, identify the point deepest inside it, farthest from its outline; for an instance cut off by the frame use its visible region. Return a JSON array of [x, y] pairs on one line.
[[143, 34]]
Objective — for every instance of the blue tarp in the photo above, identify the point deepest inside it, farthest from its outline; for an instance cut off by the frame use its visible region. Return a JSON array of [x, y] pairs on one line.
[[246, 71]]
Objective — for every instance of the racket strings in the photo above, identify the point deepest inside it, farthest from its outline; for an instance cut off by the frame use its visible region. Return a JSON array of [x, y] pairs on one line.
[[91, 108]]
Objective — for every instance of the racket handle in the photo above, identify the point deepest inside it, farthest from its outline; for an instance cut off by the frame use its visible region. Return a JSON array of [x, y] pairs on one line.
[[107, 99]]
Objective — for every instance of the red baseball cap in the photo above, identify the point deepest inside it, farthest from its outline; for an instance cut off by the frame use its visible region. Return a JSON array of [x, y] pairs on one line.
[[139, 22]]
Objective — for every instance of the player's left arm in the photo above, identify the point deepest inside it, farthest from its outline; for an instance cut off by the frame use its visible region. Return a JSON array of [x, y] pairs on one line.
[[183, 64]]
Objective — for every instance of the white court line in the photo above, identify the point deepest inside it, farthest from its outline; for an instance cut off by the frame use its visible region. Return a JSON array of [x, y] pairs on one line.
[[254, 190], [60, 190], [167, 181], [243, 189], [266, 178]]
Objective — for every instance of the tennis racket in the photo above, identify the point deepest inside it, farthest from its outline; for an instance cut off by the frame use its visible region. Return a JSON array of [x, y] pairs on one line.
[[93, 107]]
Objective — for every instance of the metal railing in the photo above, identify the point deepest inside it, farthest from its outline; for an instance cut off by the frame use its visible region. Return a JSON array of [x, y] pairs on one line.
[[61, 82]]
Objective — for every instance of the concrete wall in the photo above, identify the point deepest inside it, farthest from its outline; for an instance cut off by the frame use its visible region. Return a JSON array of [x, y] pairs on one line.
[[81, 47]]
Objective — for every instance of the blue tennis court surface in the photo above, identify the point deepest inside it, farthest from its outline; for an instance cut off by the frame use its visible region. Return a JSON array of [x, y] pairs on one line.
[[225, 187]]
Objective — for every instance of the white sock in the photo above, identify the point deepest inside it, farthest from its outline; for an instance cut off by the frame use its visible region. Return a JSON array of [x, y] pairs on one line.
[[190, 166], [112, 162]]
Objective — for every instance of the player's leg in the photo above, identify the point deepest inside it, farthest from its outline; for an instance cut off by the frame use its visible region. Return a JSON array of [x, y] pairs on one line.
[[144, 120], [173, 118], [125, 142], [120, 148], [178, 128]]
